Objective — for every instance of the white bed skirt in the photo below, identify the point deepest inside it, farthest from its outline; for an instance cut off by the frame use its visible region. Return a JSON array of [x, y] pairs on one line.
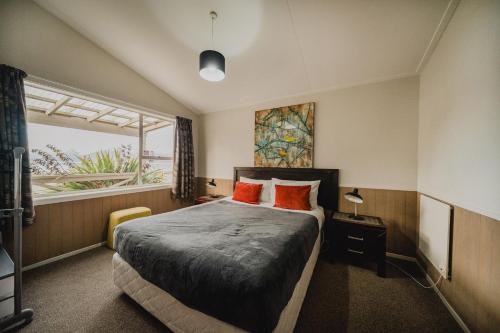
[[180, 318]]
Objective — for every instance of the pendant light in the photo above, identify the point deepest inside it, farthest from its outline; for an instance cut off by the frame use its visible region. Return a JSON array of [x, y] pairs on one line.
[[212, 63]]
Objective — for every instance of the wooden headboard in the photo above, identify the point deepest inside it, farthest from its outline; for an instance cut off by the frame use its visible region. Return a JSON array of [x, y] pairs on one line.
[[328, 196]]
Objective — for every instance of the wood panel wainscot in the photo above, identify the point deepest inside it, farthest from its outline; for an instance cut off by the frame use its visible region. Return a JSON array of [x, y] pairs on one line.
[[64, 227], [398, 210], [474, 288]]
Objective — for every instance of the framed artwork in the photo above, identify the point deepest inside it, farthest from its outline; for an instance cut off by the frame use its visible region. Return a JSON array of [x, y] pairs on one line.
[[284, 136]]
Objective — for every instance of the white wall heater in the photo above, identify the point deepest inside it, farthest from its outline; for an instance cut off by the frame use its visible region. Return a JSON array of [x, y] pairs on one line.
[[434, 233]]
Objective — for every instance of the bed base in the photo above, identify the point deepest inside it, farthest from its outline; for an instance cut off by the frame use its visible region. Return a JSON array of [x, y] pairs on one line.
[[180, 318]]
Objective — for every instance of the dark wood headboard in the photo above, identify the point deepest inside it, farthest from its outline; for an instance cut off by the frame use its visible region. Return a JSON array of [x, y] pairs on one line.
[[328, 196]]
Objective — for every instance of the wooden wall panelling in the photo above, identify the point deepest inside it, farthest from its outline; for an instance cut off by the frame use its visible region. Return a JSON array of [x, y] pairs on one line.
[[42, 234], [78, 225], [95, 209], [119, 202], [466, 255], [88, 222], [410, 229], [106, 210], [66, 227], [138, 200], [489, 309], [160, 197], [55, 230], [474, 288], [489, 318]]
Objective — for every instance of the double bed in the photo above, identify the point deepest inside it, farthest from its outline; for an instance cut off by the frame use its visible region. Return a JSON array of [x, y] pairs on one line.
[[226, 266]]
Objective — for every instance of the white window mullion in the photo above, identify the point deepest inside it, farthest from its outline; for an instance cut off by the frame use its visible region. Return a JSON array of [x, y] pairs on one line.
[[141, 148]]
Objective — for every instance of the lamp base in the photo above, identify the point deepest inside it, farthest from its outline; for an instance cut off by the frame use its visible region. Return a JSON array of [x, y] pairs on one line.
[[356, 217]]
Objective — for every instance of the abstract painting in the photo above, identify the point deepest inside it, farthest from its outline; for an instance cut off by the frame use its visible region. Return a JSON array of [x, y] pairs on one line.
[[284, 136]]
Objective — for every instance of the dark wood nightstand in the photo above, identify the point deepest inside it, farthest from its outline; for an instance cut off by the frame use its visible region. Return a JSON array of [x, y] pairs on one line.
[[354, 239], [207, 198]]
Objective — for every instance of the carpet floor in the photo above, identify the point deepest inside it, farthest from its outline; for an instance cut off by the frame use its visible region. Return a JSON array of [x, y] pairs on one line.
[[77, 295]]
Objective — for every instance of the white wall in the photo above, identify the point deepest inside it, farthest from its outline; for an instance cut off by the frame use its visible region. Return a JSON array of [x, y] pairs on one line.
[[42, 45], [459, 131], [369, 132]]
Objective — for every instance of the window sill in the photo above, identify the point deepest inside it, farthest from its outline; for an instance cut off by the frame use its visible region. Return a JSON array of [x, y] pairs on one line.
[[91, 194]]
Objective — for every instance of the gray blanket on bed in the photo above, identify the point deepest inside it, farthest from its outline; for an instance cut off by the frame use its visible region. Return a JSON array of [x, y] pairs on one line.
[[237, 263]]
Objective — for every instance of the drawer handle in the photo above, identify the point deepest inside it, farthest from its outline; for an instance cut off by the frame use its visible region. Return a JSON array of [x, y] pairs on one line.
[[355, 238], [354, 251]]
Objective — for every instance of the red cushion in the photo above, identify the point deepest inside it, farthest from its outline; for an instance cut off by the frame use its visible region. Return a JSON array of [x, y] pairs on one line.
[[246, 192], [292, 197]]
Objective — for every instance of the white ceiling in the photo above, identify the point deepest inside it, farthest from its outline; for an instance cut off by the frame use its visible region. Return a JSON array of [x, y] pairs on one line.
[[273, 48]]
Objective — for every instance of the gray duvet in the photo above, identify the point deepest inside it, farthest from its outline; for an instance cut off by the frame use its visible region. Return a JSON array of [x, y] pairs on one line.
[[234, 262]]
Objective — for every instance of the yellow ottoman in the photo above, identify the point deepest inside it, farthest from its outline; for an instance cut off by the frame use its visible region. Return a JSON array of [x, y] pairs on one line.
[[123, 215]]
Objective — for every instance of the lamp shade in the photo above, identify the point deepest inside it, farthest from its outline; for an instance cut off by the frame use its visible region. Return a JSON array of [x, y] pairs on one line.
[[354, 196], [212, 183], [212, 65]]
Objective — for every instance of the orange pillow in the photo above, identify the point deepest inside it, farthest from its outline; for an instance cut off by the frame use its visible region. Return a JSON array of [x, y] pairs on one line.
[[246, 192], [292, 197]]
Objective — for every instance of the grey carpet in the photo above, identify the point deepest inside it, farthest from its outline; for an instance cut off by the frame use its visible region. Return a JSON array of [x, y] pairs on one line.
[[77, 295]]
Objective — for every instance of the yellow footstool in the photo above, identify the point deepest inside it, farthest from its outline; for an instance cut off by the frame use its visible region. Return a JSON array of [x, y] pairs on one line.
[[123, 215]]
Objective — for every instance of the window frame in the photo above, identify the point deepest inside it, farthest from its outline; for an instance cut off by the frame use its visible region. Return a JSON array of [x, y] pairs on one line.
[[142, 112], [142, 149]]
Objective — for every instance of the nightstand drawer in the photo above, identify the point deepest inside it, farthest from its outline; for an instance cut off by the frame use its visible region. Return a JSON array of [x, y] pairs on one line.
[[353, 252], [355, 237], [355, 243], [352, 232]]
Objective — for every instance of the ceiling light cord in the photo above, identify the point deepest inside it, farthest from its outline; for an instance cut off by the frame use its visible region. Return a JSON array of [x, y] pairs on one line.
[[213, 15]]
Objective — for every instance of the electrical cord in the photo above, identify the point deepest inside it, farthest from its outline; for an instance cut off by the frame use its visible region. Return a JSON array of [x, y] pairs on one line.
[[413, 278], [324, 249]]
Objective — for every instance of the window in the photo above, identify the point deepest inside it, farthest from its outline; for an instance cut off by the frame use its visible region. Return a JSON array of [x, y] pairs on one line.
[[81, 143]]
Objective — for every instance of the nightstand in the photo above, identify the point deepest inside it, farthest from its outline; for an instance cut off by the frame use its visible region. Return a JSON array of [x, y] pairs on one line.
[[207, 198], [355, 239]]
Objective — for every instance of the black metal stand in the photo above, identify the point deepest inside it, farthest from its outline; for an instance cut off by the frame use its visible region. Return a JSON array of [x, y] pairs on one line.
[[20, 316]]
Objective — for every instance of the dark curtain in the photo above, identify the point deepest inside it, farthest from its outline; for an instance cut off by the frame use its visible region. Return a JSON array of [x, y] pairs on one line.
[[183, 173], [13, 133]]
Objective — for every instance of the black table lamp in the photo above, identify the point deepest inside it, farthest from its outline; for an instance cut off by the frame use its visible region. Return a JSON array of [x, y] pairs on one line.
[[212, 184], [357, 199]]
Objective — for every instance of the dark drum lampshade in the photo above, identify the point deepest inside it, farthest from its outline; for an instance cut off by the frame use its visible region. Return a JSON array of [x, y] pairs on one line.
[[212, 65], [356, 198]]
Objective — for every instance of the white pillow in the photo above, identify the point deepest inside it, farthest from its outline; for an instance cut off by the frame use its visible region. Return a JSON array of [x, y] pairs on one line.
[[265, 194], [313, 195]]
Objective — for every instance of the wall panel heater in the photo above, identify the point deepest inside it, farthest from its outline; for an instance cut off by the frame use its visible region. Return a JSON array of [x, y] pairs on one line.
[[435, 233]]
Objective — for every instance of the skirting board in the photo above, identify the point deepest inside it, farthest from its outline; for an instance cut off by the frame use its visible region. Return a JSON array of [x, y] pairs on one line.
[[63, 256], [400, 256], [453, 313]]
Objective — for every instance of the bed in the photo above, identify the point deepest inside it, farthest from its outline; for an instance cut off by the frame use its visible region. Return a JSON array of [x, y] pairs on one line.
[[225, 266]]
